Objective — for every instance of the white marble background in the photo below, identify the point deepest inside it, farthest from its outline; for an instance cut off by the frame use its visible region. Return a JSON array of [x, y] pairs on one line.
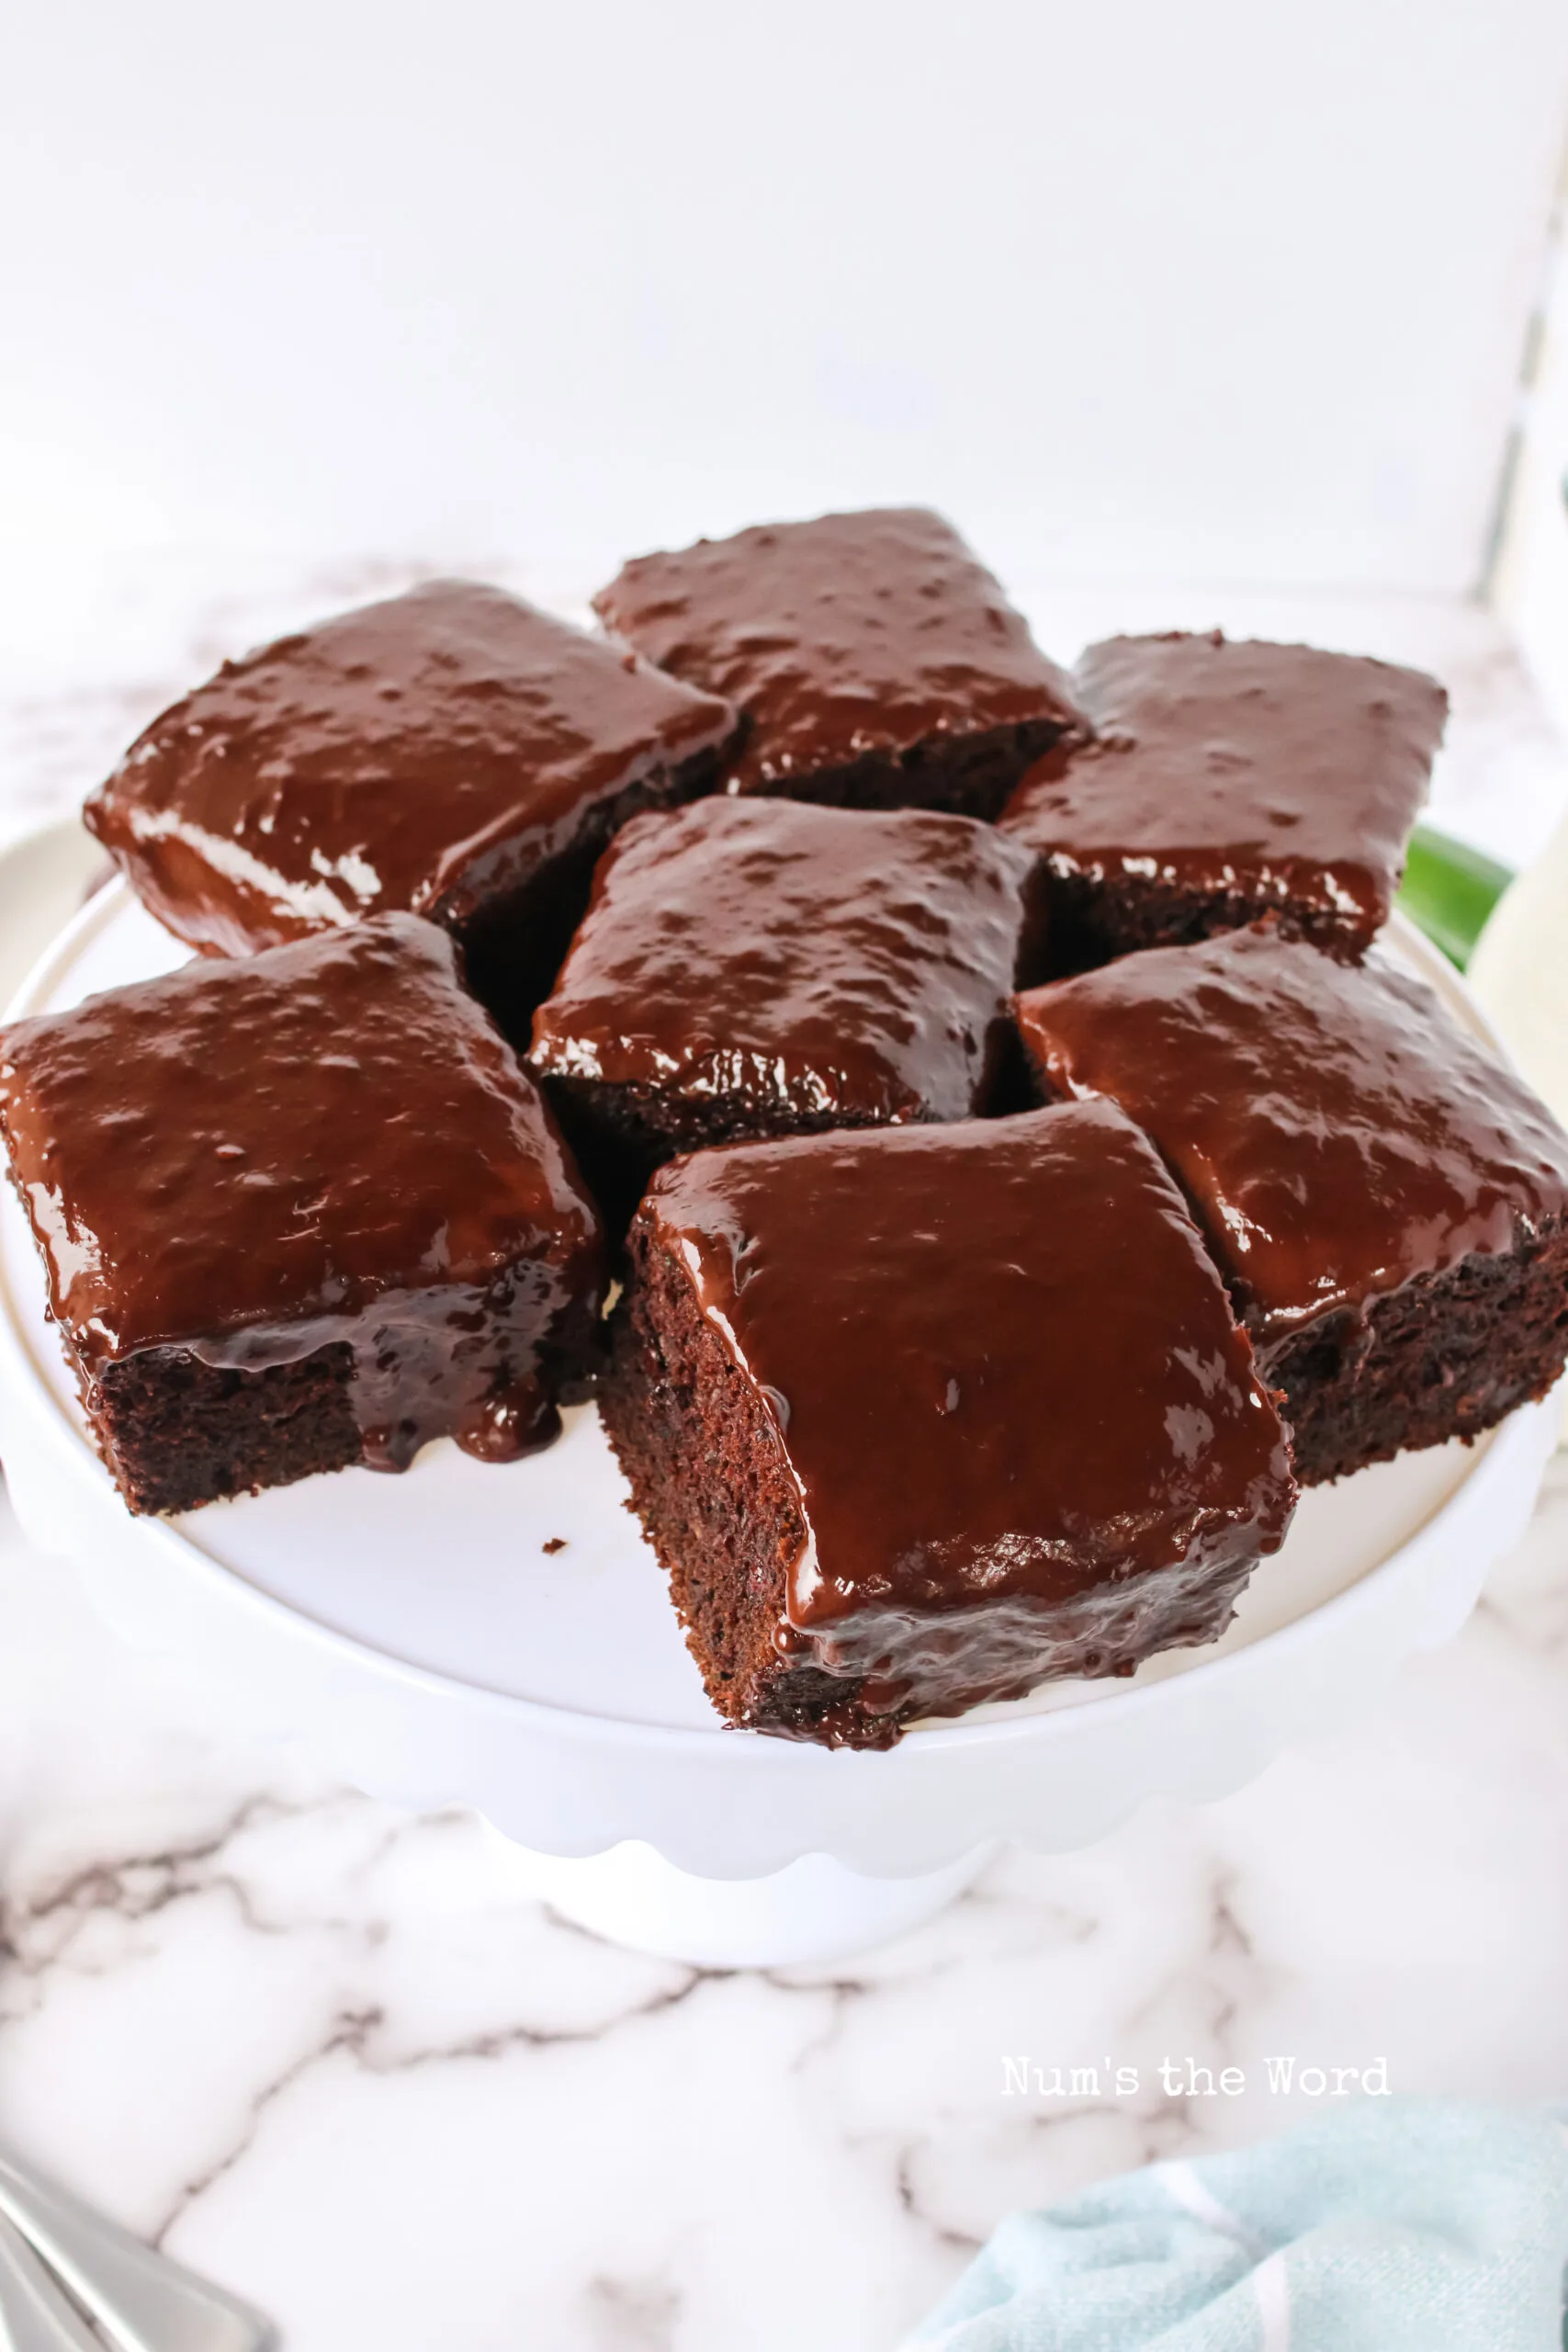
[[337, 2057]]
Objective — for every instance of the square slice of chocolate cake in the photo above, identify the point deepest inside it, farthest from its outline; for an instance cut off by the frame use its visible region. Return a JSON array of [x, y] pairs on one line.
[[297, 1211], [1388, 1202], [877, 660], [452, 752], [1225, 782], [928, 1415], [761, 968]]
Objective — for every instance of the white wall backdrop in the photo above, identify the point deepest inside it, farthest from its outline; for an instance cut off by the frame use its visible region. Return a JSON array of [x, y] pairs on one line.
[[1233, 290]]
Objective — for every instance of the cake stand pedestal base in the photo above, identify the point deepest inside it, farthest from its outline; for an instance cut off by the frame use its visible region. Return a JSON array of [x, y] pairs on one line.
[[811, 1912]]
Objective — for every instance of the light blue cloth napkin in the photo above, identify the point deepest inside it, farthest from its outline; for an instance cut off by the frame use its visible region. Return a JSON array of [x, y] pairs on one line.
[[1391, 2225]]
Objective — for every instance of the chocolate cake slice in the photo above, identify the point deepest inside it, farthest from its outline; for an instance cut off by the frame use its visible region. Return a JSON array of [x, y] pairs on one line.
[[762, 967], [877, 660], [452, 752], [299, 1211], [1225, 782], [1389, 1203], [929, 1415]]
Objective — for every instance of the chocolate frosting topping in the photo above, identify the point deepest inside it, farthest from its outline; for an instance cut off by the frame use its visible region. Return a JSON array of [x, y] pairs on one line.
[[427, 753], [328, 1142], [1336, 1131], [1006, 1377], [824, 960], [1303, 769], [850, 635]]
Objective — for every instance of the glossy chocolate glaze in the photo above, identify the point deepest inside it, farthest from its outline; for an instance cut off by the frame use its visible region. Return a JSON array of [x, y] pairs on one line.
[[326, 1142], [1336, 1131], [852, 635], [1294, 772], [823, 961], [432, 752], [1023, 1424]]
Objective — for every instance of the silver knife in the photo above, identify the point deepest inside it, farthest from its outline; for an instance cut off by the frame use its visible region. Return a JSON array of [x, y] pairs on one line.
[[139, 2299], [34, 2313]]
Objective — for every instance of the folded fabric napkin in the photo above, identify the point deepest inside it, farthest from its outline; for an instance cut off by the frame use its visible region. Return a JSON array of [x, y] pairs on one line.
[[1391, 2225]]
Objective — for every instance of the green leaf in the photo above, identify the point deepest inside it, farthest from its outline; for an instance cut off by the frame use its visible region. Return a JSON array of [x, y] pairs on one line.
[[1449, 890]]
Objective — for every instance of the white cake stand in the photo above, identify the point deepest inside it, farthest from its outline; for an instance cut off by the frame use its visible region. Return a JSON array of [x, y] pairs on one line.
[[418, 1636]]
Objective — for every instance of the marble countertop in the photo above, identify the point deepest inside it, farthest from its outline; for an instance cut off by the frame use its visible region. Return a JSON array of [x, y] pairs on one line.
[[339, 2058]]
